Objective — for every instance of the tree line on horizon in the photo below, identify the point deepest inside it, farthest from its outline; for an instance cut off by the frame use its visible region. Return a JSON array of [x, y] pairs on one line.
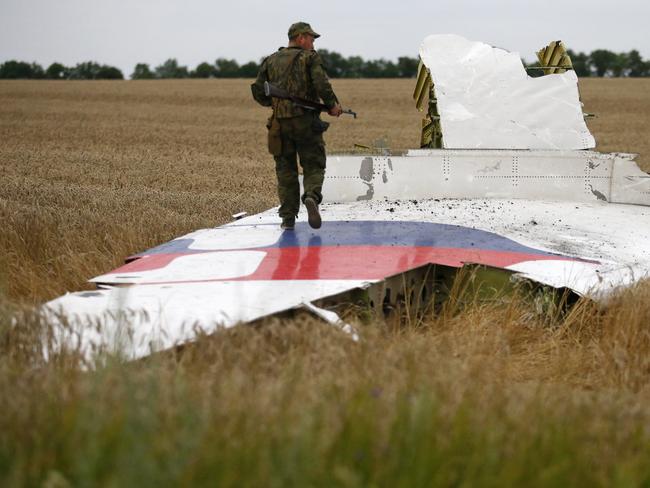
[[598, 63]]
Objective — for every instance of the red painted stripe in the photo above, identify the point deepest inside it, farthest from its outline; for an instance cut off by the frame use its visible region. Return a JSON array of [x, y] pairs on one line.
[[351, 262], [371, 262], [147, 263]]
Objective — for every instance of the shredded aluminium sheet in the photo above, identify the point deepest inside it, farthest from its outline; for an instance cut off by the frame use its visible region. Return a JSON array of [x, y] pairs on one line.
[[487, 100]]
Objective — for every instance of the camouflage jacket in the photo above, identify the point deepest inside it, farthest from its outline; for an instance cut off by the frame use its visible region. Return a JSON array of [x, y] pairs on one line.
[[298, 71]]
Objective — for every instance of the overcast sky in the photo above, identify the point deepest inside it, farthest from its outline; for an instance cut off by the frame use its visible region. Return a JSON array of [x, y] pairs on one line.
[[125, 32]]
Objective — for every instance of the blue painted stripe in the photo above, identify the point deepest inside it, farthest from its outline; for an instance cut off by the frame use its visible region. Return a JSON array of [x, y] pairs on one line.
[[379, 233]]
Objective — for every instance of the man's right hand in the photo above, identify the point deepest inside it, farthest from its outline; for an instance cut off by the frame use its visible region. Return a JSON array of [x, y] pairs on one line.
[[335, 111]]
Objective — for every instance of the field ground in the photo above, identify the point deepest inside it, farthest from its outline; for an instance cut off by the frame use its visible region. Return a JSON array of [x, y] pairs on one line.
[[94, 171], [491, 394]]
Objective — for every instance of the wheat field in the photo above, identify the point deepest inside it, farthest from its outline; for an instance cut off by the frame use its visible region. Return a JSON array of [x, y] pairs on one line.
[[95, 171], [488, 394]]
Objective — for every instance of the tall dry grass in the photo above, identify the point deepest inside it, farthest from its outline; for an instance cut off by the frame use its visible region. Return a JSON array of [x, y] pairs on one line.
[[491, 394], [94, 171]]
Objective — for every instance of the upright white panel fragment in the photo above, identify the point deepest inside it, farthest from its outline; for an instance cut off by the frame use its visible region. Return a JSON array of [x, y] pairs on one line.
[[487, 100]]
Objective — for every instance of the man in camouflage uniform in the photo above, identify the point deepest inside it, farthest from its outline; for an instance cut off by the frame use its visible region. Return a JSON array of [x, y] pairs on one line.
[[296, 131]]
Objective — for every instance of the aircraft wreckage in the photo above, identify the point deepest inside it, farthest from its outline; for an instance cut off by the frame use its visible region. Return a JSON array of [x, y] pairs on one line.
[[506, 180]]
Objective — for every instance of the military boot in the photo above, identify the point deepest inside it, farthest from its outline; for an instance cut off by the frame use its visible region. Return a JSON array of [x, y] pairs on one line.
[[288, 223], [313, 216]]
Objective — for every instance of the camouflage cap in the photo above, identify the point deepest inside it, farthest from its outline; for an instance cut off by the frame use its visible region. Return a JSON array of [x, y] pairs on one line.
[[301, 28]]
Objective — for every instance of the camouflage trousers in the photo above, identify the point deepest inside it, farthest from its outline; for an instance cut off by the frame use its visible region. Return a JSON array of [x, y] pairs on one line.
[[300, 138]]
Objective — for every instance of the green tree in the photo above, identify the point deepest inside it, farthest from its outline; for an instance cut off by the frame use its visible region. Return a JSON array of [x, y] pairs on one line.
[[85, 71], [171, 69], [56, 71], [389, 69], [226, 68], [90, 70], [106, 72], [20, 70], [603, 61], [142, 72], [249, 70], [619, 65], [37, 71], [581, 63], [379, 68], [335, 64], [407, 67], [636, 65], [355, 67], [203, 70]]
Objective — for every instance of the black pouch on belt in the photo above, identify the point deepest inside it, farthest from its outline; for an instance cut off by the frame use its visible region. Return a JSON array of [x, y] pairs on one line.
[[275, 139], [319, 126]]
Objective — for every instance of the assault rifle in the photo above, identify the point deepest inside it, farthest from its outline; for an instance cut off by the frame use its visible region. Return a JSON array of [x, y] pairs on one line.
[[276, 92]]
